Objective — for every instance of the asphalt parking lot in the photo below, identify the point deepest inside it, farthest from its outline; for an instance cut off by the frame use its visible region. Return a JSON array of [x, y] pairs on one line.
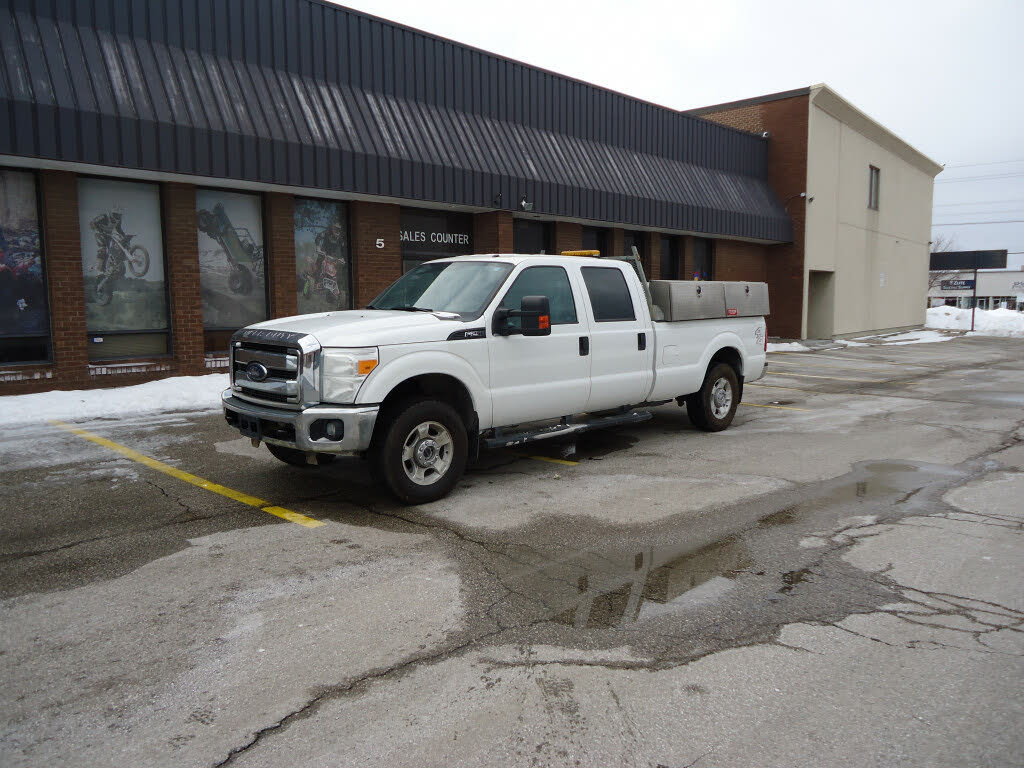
[[835, 580]]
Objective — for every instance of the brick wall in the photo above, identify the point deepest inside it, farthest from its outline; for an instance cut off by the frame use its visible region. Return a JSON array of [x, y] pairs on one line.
[[182, 255], [786, 122], [492, 232], [615, 242], [736, 260], [568, 236], [652, 255], [280, 250], [374, 269]]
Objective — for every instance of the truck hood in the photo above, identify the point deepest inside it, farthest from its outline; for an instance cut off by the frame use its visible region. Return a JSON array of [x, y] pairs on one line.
[[367, 327]]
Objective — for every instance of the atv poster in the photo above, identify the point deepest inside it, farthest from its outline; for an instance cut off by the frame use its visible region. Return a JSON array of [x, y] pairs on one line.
[[231, 264], [22, 292], [122, 256], [321, 256]]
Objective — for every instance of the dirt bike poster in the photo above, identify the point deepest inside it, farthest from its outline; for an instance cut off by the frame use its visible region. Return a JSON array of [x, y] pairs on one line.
[[321, 256], [22, 292], [231, 259], [122, 256]]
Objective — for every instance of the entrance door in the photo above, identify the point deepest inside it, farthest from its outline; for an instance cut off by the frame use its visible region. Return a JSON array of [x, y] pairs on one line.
[[541, 377], [820, 305]]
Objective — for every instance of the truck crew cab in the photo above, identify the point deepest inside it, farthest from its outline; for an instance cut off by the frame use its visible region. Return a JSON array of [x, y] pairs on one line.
[[492, 350]]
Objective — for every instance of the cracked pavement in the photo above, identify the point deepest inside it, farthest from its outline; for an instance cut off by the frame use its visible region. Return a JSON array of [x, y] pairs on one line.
[[834, 585]]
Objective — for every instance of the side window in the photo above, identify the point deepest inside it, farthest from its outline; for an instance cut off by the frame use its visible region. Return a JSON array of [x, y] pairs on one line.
[[552, 282], [609, 294]]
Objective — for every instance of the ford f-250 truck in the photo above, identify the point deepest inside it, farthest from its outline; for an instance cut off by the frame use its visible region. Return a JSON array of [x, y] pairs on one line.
[[492, 350]]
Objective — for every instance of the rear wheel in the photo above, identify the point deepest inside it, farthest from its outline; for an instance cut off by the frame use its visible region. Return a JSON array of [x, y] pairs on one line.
[[139, 261], [714, 406], [423, 451], [298, 458]]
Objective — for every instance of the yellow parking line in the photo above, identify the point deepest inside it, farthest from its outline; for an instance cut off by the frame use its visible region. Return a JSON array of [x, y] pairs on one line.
[[780, 407], [832, 378], [167, 469], [776, 386], [566, 462]]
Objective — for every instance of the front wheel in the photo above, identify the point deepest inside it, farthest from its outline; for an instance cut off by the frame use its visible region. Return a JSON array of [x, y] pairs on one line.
[[423, 453], [138, 262], [713, 408]]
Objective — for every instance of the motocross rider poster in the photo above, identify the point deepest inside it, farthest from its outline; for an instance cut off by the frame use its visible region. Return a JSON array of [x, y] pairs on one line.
[[321, 256], [122, 256], [231, 267], [22, 293]]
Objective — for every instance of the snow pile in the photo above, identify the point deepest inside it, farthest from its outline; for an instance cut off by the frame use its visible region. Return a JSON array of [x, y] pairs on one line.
[[987, 322], [181, 393], [916, 337], [787, 346]]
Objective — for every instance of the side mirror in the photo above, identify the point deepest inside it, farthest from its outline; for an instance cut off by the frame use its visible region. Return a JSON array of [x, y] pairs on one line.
[[535, 316]]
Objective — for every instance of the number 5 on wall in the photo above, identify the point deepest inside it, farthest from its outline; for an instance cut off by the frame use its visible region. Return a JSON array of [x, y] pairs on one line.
[[380, 242]]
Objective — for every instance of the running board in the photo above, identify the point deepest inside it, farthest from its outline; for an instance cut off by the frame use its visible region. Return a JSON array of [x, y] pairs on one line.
[[562, 430]]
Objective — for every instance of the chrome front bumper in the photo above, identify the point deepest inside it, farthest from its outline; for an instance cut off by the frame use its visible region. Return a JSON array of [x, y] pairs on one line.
[[292, 428]]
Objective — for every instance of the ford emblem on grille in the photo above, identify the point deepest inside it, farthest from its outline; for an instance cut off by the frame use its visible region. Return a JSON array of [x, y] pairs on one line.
[[256, 371]]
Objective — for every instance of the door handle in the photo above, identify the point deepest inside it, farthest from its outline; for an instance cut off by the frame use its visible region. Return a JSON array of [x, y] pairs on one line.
[[584, 346], [641, 341]]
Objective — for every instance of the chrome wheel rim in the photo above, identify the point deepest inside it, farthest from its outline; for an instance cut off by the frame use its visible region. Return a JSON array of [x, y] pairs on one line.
[[427, 453], [721, 398]]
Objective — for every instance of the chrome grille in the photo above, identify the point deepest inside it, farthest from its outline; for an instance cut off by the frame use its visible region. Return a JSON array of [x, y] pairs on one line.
[[291, 369]]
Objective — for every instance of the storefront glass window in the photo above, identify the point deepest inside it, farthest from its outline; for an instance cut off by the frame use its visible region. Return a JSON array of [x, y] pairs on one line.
[[322, 262], [123, 268], [703, 258], [231, 260], [427, 235], [24, 319], [531, 236]]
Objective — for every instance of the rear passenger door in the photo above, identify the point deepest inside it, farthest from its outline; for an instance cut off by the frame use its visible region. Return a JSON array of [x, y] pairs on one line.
[[620, 347]]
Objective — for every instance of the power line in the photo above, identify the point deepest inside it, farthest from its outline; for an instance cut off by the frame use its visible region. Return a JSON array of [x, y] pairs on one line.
[[975, 165], [980, 178], [979, 202], [972, 223]]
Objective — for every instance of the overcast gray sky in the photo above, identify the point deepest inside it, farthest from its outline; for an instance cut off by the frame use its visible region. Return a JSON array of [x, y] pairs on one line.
[[945, 76]]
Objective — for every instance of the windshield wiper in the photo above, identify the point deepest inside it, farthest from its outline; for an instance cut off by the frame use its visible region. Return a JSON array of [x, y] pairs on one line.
[[413, 309]]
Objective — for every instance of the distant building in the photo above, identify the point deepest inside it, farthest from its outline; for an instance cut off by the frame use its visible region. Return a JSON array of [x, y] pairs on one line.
[[995, 289], [859, 257]]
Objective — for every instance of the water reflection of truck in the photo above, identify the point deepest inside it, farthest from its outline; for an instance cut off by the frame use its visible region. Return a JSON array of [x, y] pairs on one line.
[[244, 255]]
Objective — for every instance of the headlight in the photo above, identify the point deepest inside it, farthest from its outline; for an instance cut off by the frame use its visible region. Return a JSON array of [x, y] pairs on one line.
[[343, 372]]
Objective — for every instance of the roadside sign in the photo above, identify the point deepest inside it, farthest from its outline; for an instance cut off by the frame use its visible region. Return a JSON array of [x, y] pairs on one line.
[[957, 285]]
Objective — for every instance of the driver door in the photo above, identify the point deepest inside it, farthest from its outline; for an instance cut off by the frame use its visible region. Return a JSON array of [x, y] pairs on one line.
[[541, 377]]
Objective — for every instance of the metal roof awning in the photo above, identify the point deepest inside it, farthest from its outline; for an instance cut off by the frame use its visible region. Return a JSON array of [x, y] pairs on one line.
[[236, 90]]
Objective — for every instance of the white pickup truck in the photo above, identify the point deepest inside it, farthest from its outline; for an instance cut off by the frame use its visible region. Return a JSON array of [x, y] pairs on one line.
[[488, 351]]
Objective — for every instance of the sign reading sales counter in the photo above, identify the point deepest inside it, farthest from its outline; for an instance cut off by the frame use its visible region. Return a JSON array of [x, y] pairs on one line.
[[427, 235]]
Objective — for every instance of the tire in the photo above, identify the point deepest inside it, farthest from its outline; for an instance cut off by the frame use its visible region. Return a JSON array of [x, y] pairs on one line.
[[423, 450], [714, 406], [297, 458], [104, 291], [240, 280], [138, 261]]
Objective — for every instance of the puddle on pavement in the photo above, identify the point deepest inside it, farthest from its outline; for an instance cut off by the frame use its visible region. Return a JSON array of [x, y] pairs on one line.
[[597, 588], [660, 581]]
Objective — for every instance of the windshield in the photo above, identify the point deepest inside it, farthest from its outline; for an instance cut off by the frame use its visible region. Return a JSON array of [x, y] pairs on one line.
[[461, 287]]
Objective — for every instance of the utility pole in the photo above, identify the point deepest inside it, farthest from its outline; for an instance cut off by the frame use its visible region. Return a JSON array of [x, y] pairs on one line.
[[974, 302]]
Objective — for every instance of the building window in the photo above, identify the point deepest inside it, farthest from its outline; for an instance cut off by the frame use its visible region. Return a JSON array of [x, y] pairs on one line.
[[231, 263], [531, 236], [703, 258], [873, 183], [669, 258], [322, 256], [631, 239], [595, 239], [123, 269], [427, 235], [24, 319]]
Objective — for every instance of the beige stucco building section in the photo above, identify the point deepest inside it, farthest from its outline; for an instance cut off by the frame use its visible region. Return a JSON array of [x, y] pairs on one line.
[[865, 270]]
